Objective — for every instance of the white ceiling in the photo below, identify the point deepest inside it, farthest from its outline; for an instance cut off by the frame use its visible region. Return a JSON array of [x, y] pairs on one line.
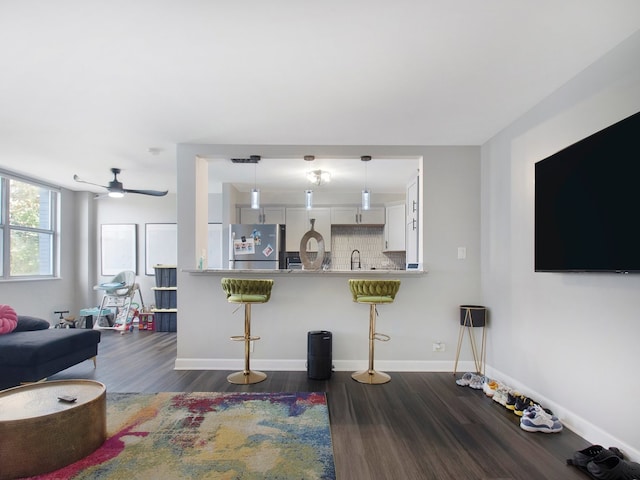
[[86, 85]]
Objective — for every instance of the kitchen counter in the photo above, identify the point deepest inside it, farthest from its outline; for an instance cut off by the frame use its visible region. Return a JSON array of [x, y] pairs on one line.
[[338, 273]]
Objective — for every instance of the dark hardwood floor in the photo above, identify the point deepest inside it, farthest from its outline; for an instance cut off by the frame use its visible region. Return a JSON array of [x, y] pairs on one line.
[[418, 426]]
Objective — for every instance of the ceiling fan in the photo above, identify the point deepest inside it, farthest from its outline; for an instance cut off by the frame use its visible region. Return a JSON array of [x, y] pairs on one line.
[[115, 187]]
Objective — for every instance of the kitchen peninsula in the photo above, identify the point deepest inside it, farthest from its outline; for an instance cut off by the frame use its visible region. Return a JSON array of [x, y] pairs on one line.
[[425, 309]]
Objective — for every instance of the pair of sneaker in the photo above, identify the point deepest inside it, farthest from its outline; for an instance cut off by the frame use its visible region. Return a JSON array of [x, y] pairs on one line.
[[489, 387], [501, 394], [510, 398], [537, 419], [471, 380], [518, 403]]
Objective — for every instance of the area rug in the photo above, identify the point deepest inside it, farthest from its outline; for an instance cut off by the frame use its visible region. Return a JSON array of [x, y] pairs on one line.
[[211, 436]]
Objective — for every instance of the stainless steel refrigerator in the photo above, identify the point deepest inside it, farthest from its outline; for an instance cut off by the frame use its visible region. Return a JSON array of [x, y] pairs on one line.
[[257, 247]]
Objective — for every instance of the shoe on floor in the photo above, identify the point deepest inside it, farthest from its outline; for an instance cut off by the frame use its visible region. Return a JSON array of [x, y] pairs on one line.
[[489, 387], [582, 458], [501, 395], [522, 403], [465, 380], [532, 410], [476, 382], [512, 396], [537, 420], [613, 467]]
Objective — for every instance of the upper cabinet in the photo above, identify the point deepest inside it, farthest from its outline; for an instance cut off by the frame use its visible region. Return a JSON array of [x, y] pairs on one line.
[[357, 216], [299, 222], [265, 215]]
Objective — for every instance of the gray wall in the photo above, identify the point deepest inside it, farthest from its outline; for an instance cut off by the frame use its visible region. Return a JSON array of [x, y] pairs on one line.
[[570, 340]]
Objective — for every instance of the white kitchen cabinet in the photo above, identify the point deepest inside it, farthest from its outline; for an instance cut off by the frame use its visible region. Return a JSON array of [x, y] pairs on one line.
[[351, 215], [412, 219], [264, 215], [394, 228], [298, 223]]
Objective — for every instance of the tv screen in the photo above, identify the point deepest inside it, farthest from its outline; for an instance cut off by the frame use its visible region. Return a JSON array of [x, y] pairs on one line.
[[587, 203]]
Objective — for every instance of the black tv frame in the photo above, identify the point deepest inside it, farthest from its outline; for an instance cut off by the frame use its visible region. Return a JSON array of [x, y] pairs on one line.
[[587, 203]]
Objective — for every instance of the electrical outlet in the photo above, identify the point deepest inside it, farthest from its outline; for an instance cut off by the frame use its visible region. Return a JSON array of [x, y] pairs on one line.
[[438, 347]]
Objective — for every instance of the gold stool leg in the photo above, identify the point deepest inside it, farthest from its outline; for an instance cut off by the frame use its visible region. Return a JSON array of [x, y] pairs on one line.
[[247, 376], [370, 376]]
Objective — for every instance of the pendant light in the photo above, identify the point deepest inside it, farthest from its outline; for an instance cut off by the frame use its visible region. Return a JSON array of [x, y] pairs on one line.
[[308, 194], [255, 193], [308, 199], [366, 193]]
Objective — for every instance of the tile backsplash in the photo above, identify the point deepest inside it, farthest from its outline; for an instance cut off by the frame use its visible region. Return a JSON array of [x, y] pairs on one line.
[[369, 241]]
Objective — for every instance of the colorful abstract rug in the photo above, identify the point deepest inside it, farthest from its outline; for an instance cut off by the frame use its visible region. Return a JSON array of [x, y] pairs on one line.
[[211, 436]]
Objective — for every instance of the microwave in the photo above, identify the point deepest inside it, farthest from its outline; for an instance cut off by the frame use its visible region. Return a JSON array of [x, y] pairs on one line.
[[294, 263]]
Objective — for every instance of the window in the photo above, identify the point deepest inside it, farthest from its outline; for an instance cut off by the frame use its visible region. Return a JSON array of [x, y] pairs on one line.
[[28, 228]]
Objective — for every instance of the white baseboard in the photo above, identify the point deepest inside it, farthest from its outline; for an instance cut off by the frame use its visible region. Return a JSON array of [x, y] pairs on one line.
[[338, 365]]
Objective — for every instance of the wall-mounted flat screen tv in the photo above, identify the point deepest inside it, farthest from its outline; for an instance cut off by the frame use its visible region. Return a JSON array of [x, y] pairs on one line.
[[587, 203]]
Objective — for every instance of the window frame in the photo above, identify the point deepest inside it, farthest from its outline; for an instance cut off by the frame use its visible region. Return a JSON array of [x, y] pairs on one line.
[[6, 229]]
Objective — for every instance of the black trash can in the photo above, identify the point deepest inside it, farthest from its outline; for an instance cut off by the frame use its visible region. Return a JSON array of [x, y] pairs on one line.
[[319, 356]]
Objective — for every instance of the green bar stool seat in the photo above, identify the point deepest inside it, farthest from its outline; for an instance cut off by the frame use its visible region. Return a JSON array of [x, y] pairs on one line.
[[373, 292], [247, 291]]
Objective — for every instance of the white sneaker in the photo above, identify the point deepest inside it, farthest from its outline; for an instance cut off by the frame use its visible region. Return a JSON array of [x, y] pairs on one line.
[[537, 420], [489, 387], [501, 395]]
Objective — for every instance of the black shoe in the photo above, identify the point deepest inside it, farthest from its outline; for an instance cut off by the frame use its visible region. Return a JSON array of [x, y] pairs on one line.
[[512, 396], [521, 405], [613, 467], [582, 457]]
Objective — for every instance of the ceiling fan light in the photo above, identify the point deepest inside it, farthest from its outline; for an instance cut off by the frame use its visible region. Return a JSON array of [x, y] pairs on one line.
[[255, 198], [116, 194]]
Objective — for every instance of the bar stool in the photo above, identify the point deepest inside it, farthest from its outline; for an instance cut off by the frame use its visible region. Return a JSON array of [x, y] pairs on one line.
[[246, 291], [373, 292]]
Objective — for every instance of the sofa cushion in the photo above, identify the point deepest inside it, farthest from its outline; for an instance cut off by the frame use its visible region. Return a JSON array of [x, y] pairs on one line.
[[8, 319], [41, 346], [27, 324]]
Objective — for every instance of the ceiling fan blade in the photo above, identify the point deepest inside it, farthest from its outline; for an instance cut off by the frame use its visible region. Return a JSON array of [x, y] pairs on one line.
[[115, 186], [155, 193]]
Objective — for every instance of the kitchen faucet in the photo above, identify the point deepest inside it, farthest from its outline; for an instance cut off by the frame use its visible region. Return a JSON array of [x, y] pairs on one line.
[[352, 260]]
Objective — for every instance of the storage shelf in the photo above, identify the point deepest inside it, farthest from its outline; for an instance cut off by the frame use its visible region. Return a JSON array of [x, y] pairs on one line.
[[166, 293]]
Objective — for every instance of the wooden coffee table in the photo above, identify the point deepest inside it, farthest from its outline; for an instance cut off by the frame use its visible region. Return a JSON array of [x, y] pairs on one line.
[[40, 433]]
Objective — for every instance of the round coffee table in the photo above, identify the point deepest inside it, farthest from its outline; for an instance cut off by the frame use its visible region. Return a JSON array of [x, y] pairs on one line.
[[40, 433]]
